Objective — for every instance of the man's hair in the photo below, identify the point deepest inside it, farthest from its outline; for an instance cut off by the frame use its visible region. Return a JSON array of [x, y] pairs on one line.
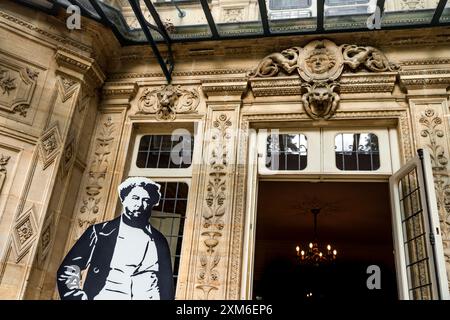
[[149, 185]]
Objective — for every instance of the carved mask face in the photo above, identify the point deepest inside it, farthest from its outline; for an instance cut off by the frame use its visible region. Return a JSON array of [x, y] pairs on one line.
[[168, 99], [320, 95], [319, 63]]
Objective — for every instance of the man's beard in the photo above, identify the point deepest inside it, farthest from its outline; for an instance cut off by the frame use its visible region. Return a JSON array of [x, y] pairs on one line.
[[139, 221]]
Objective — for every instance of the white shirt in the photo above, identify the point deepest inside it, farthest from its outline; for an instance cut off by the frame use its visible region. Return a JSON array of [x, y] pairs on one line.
[[133, 265]]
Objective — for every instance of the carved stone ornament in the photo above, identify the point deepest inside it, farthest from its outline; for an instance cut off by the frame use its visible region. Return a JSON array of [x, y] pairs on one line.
[[49, 145], [25, 231], [320, 64], [320, 99], [17, 86], [167, 101], [3, 163]]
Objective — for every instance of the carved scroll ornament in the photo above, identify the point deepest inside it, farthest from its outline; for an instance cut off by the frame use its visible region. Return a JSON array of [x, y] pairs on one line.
[[319, 64], [168, 101]]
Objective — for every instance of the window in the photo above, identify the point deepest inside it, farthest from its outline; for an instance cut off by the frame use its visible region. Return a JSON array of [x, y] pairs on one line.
[[345, 2], [165, 151], [289, 4], [286, 152], [357, 151], [326, 151], [169, 216]]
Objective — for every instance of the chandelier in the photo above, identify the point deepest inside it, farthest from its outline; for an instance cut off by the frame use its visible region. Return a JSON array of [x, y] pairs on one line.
[[314, 254]]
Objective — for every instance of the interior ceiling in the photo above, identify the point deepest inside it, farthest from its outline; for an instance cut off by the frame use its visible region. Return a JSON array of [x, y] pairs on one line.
[[355, 218]]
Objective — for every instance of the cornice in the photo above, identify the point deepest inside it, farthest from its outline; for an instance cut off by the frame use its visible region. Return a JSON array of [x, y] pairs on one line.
[[425, 78], [59, 39], [227, 86], [87, 67], [349, 83], [120, 90]]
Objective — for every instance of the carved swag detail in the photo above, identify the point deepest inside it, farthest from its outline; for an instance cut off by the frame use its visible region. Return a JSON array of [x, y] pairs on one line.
[[167, 101], [319, 64]]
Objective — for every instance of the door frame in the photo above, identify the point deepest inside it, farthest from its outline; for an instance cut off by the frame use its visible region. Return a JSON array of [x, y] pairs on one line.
[[252, 182]]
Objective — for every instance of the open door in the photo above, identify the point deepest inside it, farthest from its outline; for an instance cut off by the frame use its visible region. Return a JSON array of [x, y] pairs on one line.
[[419, 255]]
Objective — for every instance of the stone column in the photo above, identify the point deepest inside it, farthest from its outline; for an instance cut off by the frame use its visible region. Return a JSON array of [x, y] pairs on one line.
[[208, 274], [428, 102]]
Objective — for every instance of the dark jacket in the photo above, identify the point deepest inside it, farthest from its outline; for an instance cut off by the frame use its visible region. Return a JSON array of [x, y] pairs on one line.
[[94, 250]]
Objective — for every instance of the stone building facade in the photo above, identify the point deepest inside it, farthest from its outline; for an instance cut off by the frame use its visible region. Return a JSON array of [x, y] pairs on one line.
[[72, 104]]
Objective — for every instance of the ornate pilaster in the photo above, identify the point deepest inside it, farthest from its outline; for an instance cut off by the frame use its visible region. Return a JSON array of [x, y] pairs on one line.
[[432, 132], [209, 277]]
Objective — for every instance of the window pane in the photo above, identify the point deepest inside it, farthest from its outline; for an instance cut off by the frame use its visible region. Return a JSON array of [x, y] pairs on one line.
[[357, 152], [292, 16], [347, 14], [165, 151], [414, 238], [168, 217], [289, 4], [286, 152]]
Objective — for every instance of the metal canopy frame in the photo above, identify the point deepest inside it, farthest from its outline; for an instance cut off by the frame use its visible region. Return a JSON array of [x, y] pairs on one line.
[[127, 36]]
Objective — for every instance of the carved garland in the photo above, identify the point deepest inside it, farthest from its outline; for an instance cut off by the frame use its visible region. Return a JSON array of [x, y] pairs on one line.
[[168, 101], [97, 173], [319, 64], [215, 205]]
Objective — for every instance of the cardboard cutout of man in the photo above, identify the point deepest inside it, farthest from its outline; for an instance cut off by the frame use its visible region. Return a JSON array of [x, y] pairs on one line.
[[126, 258]]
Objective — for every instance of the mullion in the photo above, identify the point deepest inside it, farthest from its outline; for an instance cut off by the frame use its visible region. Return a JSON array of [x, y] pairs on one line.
[[148, 150], [170, 156], [159, 150]]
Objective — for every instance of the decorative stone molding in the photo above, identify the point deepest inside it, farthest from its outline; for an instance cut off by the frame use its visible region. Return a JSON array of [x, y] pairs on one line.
[[168, 101], [367, 82], [49, 145], [3, 172], [47, 234], [319, 65], [216, 202], [212, 72], [70, 62], [67, 88], [425, 78], [69, 154], [17, 84], [421, 62], [25, 231], [231, 86], [233, 15], [284, 86], [127, 90], [349, 83]]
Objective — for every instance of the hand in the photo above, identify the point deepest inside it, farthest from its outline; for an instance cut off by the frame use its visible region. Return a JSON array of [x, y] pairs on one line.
[[71, 277]]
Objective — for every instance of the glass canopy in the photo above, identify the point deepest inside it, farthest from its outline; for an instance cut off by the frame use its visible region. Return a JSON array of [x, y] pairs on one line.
[[152, 21]]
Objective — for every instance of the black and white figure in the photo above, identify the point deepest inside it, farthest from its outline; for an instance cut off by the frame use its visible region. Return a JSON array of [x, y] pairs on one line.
[[126, 258]]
